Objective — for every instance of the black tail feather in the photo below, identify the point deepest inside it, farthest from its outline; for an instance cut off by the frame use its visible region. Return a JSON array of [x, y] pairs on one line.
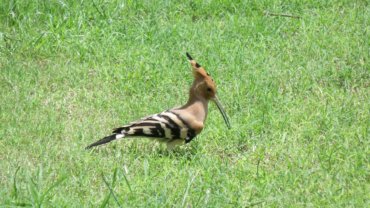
[[102, 141]]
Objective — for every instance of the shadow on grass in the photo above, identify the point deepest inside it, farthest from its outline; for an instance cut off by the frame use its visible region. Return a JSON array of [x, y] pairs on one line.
[[188, 151]]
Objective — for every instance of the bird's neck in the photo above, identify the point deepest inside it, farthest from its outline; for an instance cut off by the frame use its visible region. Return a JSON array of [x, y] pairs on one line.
[[197, 106]]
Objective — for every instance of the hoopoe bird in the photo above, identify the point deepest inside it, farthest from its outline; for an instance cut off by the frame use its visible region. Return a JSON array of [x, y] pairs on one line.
[[178, 125]]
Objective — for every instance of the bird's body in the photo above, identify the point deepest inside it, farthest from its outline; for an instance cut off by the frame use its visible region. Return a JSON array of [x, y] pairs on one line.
[[178, 125]]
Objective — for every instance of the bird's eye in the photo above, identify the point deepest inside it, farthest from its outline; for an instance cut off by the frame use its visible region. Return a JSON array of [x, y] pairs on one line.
[[209, 89]]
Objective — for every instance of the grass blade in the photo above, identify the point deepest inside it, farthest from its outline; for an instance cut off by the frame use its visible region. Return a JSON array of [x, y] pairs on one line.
[[57, 183], [15, 189], [128, 184], [110, 190], [187, 190]]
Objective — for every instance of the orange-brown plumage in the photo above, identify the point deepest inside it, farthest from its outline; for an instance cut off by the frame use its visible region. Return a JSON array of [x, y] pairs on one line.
[[178, 125]]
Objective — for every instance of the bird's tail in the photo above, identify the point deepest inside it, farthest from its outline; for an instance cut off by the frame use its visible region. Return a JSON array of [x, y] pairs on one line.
[[106, 139], [147, 126]]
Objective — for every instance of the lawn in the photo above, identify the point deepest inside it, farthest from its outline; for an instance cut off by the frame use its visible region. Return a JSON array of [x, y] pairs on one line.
[[296, 89]]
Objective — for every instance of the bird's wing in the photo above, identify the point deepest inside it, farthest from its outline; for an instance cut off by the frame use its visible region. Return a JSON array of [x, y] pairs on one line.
[[167, 125]]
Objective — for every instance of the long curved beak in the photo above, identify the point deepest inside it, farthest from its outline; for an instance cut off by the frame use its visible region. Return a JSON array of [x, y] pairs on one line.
[[222, 111]]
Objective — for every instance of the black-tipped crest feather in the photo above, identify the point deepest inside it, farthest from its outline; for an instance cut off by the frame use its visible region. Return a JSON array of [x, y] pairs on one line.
[[189, 57]]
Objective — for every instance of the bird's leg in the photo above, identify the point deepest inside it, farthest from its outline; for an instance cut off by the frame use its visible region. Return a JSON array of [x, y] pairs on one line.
[[173, 143]]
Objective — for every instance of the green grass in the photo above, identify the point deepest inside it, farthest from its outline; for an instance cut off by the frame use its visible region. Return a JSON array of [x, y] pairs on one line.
[[297, 92]]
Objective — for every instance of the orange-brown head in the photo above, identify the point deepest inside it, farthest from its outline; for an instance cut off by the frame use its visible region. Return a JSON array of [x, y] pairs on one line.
[[204, 87]]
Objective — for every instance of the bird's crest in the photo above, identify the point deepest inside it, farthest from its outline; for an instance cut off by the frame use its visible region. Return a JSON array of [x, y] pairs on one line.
[[203, 84], [205, 87], [198, 71]]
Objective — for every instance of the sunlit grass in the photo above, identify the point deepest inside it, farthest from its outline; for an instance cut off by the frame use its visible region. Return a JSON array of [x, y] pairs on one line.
[[296, 90]]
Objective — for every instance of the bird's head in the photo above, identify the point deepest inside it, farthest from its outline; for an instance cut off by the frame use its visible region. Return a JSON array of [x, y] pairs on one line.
[[204, 87]]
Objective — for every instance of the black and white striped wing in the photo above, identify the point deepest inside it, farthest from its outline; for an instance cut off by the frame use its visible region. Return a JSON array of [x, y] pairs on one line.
[[166, 125]]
